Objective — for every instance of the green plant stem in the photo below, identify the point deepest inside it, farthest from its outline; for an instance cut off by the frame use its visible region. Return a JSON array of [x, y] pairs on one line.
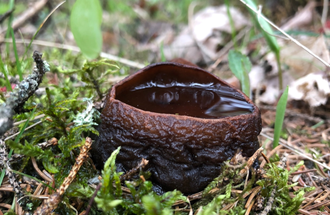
[[3, 68], [34, 178], [18, 63], [10, 20], [280, 113], [280, 76], [245, 80], [162, 55], [232, 26], [95, 83]]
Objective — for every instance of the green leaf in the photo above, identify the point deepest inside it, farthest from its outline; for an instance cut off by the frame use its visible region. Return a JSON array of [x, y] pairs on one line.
[[170, 197], [26, 149], [49, 166], [151, 205], [266, 29], [115, 203], [280, 112], [85, 22], [162, 55], [240, 65], [75, 138], [78, 190], [268, 34], [4, 69], [105, 198]]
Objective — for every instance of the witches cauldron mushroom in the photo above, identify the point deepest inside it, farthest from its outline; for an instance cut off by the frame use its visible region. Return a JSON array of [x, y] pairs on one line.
[[183, 119]]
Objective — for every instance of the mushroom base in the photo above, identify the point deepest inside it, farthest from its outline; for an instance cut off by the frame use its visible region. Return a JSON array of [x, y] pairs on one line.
[[184, 158]]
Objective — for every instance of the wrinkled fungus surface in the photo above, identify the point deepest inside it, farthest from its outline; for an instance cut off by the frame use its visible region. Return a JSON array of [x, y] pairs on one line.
[[184, 120]]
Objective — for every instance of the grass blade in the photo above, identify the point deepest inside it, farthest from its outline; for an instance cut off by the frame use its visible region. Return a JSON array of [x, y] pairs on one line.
[[268, 34], [40, 26], [10, 20], [162, 55], [5, 73], [265, 28], [280, 112], [18, 63], [231, 22]]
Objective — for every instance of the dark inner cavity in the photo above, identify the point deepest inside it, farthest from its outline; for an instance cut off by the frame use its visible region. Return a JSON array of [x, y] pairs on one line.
[[167, 94]]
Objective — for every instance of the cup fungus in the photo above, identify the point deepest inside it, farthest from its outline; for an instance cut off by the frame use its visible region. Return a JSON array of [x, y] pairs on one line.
[[181, 118]]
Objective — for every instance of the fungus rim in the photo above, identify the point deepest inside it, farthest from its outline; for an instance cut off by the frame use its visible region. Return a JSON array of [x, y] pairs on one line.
[[112, 94]]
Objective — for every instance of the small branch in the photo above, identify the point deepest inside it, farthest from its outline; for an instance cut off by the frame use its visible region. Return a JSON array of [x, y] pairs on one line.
[[76, 49], [79, 161], [42, 175], [4, 163], [133, 171], [270, 202], [92, 199], [51, 203], [285, 144], [5, 15], [28, 14], [250, 162], [95, 83], [27, 128], [22, 92]]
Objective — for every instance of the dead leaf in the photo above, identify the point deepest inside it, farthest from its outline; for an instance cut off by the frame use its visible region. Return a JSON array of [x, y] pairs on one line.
[[313, 88], [206, 29]]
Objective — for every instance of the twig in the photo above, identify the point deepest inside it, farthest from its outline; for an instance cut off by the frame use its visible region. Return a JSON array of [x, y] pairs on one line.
[[76, 49], [5, 15], [4, 162], [42, 175], [92, 199], [35, 118], [284, 143], [130, 173], [269, 155], [79, 161], [287, 35], [250, 162], [253, 194], [54, 199], [305, 171], [38, 190], [269, 204], [294, 113], [317, 205], [28, 14], [248, 209], [8, 206], [227, 47], [7, 189], [22, 93], [320, 194], [27, 128]]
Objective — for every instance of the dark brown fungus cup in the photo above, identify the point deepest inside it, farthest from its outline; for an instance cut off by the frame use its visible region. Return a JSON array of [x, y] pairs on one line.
[[181, 118]]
